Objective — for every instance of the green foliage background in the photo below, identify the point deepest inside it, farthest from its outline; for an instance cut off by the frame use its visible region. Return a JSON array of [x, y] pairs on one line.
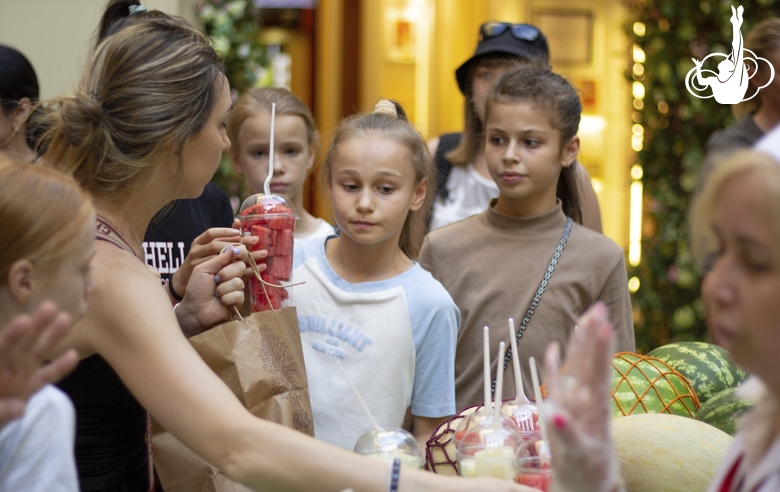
[[234, 27], [668, 306]]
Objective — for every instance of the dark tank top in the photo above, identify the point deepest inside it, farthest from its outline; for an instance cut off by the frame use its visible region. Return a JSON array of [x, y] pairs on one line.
[[111, 426]]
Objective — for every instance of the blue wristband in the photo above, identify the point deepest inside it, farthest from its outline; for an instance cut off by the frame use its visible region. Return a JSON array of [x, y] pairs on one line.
[[395, 474]]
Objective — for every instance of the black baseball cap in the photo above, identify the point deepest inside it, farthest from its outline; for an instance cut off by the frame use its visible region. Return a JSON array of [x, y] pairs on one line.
[[521, 40]]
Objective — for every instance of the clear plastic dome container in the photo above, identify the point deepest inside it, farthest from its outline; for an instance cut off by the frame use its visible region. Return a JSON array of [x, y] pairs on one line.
[[524, 416], [389, 445], [271, 218], [533, 464], [262, 204], [489, 452], [479, 418]]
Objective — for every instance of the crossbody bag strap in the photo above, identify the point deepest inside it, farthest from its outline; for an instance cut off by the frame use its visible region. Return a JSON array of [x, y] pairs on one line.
[[537, 297]]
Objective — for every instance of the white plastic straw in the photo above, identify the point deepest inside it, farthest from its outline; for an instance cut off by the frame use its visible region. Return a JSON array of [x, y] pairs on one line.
[[520, 395], [486, 365], [360, 399], [538, 396], [267, 184], [499, 386]]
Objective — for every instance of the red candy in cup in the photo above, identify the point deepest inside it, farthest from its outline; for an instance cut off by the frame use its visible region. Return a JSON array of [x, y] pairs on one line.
[[271, 218]]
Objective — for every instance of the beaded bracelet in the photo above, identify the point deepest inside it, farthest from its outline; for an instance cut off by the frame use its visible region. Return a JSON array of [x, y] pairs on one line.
[[395, 475]]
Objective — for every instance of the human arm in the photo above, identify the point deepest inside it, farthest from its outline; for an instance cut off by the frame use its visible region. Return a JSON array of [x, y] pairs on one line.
[[577, 410], [424, 427], [437, 320], [131, 325], [23, 345]]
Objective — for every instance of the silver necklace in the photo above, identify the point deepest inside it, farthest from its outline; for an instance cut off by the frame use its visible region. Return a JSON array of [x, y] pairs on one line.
[[140, 244]]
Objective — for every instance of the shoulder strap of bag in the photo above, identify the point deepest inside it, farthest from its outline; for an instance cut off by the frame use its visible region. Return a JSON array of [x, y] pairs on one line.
[[537, 297], [447, 142]]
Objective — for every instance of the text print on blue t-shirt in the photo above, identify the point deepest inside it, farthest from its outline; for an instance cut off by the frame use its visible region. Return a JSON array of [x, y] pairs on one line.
[[335, 332]]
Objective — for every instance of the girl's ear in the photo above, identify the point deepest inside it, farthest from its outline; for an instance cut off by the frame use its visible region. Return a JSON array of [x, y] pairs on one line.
[[22, 111], [570, 151], [21, 281], [419, 195]]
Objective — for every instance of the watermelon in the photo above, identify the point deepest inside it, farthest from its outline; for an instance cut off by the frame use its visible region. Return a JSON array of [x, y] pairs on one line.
[[267, 238], [267, 218], [280, 267], [707, 367], [723, 410], [668, 453], [642, 384], [284, 243]]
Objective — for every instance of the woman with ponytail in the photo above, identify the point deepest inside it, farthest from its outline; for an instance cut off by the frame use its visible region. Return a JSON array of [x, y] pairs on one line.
[[147, 125]]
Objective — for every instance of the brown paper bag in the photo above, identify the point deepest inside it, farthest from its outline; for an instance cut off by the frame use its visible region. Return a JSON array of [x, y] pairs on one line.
[[260, 358]]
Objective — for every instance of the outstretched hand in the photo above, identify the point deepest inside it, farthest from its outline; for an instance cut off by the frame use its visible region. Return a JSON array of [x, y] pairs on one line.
[[24, 342], [579, 420]]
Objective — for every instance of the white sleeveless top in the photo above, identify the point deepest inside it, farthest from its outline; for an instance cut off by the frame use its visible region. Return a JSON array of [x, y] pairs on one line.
[[468, 193]]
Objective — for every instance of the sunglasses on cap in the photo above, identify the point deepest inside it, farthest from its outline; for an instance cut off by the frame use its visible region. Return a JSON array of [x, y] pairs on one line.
[[524, 32]]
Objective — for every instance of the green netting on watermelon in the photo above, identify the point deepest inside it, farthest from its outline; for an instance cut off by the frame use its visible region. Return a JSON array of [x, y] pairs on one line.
[[642, 384]]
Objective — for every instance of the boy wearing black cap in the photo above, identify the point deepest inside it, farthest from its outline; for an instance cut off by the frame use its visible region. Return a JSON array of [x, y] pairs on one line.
[[464, 187]]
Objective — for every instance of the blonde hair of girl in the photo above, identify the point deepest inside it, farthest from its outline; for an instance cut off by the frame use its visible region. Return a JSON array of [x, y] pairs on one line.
[[260, 99], [397, 128], [41, 212]]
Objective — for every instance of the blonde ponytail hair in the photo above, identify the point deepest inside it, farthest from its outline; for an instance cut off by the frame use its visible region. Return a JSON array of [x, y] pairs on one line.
[[146, 90], [389, 121]]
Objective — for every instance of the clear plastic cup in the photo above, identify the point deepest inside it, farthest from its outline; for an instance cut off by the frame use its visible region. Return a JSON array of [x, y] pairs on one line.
[[389, 445], [534, 473], [272, 219], [533, 464], [489, 452], [479, 418], [525, 417]]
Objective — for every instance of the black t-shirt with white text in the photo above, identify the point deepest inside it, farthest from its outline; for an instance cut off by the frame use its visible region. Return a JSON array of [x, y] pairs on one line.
[[172, 231]]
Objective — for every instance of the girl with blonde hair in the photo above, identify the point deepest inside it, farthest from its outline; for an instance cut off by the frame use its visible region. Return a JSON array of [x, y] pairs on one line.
[[249, 129]]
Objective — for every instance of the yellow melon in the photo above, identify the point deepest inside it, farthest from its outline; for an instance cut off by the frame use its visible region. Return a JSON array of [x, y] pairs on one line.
[[659, 452]]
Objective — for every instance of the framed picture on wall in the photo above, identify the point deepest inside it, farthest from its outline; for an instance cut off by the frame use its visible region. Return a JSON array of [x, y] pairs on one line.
[[569, 34]]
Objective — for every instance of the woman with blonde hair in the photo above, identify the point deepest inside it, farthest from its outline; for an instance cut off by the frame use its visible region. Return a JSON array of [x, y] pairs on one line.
[[145, 126]]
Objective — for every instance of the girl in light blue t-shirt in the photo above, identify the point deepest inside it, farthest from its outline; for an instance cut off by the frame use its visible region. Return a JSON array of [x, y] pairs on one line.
[[366, 302]]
